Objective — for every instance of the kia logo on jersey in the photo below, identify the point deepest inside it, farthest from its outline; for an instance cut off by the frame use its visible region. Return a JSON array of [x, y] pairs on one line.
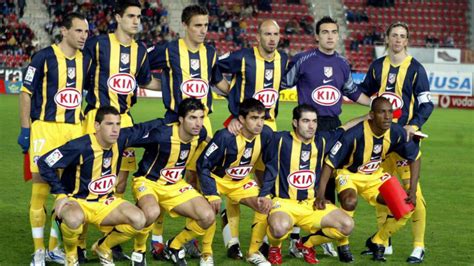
[[173, 174], [102, 185], [395, 100], [302, 179], [195, 88], [239, 172], [68, 98], [369, 167], [122, 83], [326, 95], [267, 96]]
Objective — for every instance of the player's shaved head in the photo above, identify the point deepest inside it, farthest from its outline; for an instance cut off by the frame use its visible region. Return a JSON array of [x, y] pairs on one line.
[[378, 102], [265, 23]]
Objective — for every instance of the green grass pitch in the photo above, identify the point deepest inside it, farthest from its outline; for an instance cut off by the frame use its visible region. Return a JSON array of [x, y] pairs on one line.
[[446, 177]]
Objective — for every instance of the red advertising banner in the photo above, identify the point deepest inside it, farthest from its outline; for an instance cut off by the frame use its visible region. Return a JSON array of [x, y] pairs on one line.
[[462, 102]]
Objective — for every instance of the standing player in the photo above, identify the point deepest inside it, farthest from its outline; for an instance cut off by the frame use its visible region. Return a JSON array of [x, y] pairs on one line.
[[50, 107], [322, 77], [118, 65], [226, 164], [294, 163], [159, 184], [256, 73], [189, 69], [85, 191], [403, 80], [358, 156]]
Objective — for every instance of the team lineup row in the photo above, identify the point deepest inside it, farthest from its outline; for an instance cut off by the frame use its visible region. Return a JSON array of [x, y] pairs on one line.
[[96, 165]]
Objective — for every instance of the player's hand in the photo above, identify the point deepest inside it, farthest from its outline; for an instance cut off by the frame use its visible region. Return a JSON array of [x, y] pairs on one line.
[[320, 203], [410, 131], [411, 197], [264, 204], [24, 139], [234, 126], [59, 204], [216, 205]]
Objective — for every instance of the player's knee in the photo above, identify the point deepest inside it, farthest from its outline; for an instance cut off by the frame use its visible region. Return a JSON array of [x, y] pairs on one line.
[[137, 218], [280, 229], [73, 219], [207, 218], [151, 215], [346, 224], [349, 203]]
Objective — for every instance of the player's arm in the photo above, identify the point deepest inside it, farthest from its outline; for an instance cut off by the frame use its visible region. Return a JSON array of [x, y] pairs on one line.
[[270, 159], [369, 86], [353, 92], [320, 201], [292, 75], [31, 84], [154, 84], [421, 89], [142, 134], [351, 123]]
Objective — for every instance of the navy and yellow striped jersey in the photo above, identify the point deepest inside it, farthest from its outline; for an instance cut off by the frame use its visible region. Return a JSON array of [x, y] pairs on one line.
[[115, 72], [254, 77], [230, 157], [165, 160], [293, 168], [405, 85], [186, 73], [55, 83], [90, 171], [359, 150]]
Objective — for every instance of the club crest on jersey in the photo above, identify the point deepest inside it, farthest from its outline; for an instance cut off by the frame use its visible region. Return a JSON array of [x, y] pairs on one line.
[[124, 58], [183, 154], [239, 172], [68, 98], [394, 99], [268, 74], [195, 88], [247, 152], [305, 156], [107, 162], [326, 95], [268, 97], [342, 179], [250, 185], [173, 174], [369, 167], [103, 185], [194, 63], [377, 148], [122, 83], [392, 77], [302, 179], [328, 71], [71, 72]]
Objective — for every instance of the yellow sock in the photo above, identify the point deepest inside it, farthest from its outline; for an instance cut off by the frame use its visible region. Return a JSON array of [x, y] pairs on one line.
[[81, 242], [120, 234], [141, 238], [419, 220], [157, 231], [54, 234], [390, 227], [233, 217], [191, 230], [39, 194], [70, 237], [259, 228], [207, 239], [275, 242], [345, 240]]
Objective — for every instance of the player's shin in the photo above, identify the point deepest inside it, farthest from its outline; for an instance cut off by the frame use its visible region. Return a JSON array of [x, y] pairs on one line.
[[70, 238], [191, 230], [39, 194], [207, 239], [141, 238], [259, 228]]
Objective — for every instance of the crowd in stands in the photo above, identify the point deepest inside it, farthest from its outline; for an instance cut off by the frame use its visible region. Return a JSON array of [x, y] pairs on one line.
[[154, 25], [17, 40]]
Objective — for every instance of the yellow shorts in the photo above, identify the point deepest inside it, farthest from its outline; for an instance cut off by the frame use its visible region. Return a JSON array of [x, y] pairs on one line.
[[129, 162], [302, 213], [45, 136], [96, 211], [237, 190], [396, 165], [365, 185], [168, 196]]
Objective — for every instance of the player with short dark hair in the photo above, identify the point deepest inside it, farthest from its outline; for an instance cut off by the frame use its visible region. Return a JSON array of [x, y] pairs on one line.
[[357, 156], [50, 108], [403, 80], [85, 190]]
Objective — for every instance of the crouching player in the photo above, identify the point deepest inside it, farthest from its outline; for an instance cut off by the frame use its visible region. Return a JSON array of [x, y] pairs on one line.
[[159, 184], [358, 156], [85, 192], [294, 163]]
